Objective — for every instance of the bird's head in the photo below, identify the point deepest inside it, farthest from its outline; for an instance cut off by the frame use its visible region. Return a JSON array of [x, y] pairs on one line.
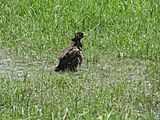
[[78, 36]]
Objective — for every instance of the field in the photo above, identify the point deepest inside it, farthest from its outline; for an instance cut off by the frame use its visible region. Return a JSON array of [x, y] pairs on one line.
[[119, 78]]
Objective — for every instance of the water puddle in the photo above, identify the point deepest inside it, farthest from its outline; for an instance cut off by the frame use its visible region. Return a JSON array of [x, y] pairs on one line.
[[19, 68]]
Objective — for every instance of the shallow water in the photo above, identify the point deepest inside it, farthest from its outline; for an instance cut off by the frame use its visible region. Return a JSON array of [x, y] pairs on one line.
[[4, 63], [19, 68]]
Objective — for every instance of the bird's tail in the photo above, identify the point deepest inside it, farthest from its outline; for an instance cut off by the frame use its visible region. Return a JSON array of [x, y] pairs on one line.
[[57, 69]]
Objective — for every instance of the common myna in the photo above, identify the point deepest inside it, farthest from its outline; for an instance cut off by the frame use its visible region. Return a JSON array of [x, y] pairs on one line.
[[72, 55]]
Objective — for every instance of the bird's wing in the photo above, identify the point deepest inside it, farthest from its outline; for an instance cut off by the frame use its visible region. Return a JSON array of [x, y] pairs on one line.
[[80, 58], [65, 52], [70, 53]]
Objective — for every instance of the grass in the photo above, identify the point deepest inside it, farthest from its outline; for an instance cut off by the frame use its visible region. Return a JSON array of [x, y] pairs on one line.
[[119, 78]]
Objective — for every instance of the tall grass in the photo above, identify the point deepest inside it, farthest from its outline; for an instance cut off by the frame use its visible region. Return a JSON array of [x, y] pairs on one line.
[[119, 78], [127, 27]]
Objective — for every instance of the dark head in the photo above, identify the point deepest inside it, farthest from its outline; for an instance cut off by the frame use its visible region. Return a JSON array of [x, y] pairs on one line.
[[78, 36]]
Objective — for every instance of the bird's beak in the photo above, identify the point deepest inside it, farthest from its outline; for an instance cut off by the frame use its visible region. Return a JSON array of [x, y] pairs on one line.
[[85, 34]]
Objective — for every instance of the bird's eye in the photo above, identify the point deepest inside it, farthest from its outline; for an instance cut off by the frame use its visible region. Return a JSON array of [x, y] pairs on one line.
[[79, 35]]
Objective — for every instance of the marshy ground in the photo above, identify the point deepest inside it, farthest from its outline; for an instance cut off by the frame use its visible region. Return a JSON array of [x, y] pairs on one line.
[[120, 75]]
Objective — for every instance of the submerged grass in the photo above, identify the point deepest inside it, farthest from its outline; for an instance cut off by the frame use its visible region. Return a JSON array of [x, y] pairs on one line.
[[119, 78], [120, 90]]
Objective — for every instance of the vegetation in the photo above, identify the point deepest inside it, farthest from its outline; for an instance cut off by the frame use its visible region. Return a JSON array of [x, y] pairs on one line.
[[119, 78]]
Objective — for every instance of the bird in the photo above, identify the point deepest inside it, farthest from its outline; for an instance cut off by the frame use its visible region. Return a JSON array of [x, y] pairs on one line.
[[72, 55]]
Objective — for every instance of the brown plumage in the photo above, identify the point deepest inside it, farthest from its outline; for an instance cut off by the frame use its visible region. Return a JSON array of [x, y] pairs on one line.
[[71, 56]]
